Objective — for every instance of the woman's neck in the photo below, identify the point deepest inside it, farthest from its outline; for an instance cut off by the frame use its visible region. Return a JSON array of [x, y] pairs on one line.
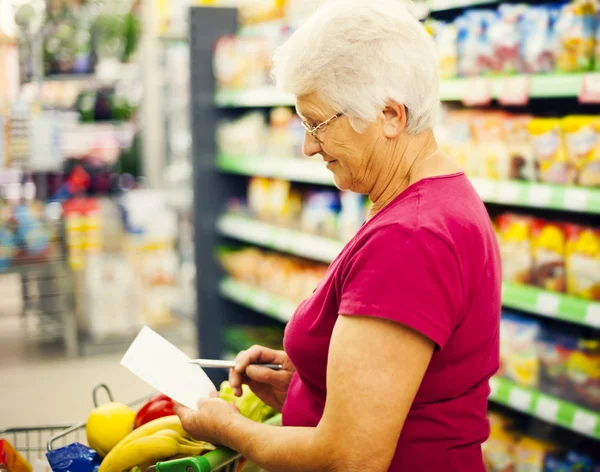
[[410, 160]]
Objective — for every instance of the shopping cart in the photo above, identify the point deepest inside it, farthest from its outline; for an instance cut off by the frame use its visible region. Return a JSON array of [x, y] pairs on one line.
[[33, 442]]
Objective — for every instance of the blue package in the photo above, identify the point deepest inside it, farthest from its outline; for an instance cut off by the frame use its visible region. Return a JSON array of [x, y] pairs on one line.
[[73, 458], [554, 464], [578, 462]]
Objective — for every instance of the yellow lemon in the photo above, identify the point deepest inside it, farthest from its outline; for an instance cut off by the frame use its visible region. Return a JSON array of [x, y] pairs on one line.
[[107, 425]]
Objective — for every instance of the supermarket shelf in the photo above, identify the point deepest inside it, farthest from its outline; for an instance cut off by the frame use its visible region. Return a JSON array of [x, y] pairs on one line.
[[245, 294], [545, 407], [503, 391], [280, 239], [512, 192], [521, 297], [288, 168], [540, 86], [537, 195], [553, 305], [259, 97]]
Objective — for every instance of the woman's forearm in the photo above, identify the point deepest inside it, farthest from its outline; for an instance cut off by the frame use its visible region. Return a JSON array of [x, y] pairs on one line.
[[282, 449]]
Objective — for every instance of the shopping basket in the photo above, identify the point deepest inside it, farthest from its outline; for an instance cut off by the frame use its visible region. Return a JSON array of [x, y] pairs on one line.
[[33, 442]]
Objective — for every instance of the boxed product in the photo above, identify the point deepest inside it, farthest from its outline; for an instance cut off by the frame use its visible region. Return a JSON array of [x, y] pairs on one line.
[[575, 30], [445, 38], [515, 247], [537, 39], [555, 350], [455, 137], [475, 54], [583, 262], [521, 160], [530, 454], [504, 35], [241, 62], [518, 352], [583, 371], [491, 145], [552, 162], [11, 460], [320, 213], [548, 242], [582, 139]]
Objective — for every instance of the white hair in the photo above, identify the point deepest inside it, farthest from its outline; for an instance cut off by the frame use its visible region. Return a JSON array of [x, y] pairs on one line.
[[358, 54]]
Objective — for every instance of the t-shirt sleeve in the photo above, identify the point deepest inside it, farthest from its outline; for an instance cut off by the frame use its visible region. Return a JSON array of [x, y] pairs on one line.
[[410, 277]]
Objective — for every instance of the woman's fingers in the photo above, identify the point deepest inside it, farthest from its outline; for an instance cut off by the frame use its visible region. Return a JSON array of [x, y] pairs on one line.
[[256, 355], [277, 379]]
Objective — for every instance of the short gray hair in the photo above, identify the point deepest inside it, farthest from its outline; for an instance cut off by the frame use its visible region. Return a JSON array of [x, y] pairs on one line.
[[358, 54]]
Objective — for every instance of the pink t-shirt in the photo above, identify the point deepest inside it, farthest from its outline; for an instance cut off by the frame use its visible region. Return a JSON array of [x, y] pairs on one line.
[[428, 260]]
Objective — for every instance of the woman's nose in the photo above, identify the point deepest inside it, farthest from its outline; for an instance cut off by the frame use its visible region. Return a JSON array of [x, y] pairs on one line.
[[311, 146]]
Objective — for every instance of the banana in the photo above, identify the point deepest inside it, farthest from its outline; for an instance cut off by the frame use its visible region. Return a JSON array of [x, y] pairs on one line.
[[186, 442], [149, 449], [166, 423]]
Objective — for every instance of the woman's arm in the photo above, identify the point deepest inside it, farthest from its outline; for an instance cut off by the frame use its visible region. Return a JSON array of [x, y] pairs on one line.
[[374, 371]]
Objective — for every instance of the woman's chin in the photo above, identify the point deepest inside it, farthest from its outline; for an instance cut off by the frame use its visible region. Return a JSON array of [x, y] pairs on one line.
[[341, 183]]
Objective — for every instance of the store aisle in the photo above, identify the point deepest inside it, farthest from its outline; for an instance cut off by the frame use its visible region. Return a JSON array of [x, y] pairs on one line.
[[42, 388]]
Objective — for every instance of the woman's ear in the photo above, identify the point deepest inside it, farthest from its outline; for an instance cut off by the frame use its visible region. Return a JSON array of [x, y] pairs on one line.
[[394, 119]]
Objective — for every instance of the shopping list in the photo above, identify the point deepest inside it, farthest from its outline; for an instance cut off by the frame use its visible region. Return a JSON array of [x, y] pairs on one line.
[[166, 368]]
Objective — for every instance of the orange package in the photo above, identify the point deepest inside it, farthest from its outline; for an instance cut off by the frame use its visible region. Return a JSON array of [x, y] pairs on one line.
[[521, 159], [514, 232], [11, 460], [548, 242], [490, 144], [583, 262]]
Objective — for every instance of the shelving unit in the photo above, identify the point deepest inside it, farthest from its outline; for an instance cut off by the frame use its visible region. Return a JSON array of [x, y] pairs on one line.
[[521, 297], [503, 391], [517, 193], [456, 89], [224, 299]]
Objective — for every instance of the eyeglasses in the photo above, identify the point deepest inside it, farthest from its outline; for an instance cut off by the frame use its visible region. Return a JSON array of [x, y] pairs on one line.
[[314, 130]]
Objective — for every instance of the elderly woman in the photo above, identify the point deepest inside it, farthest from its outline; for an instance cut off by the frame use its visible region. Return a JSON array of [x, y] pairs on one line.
[[386, 365]]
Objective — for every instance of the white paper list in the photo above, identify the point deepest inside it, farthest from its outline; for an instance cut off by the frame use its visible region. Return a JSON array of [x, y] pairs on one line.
[[163, 366]]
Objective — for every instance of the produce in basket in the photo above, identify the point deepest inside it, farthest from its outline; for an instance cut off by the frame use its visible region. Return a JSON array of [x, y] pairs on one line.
[[107, 425], [158, 406], [158, 440], [249, 404]]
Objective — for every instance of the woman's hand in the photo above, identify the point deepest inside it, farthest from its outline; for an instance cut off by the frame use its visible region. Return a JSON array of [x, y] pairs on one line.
[[210, 422], [269, 385]]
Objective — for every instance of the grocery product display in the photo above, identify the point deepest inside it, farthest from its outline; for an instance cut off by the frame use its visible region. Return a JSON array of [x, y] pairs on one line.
[[508, 449]]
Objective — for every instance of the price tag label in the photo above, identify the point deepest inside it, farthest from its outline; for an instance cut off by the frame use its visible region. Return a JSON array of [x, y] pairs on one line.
[[514, 91], [478, 92], [547, 409], [508, 192], [485, 188], [576, 199], [519, 399], [494, 386], [547, 304], [592, 315], [590, 88], [539, 196], [584, 422], [261, 301]]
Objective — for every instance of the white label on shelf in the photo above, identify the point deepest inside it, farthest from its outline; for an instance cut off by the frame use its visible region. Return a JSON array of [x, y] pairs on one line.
[[478, 91], [590, 88], [584, 422], [592, 315], [576, 199], [547, 409], [539, 195], [519, 399], [485, 188], [508, 192], [547, 304], [514, 91], [494, 386], [261, 301]]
